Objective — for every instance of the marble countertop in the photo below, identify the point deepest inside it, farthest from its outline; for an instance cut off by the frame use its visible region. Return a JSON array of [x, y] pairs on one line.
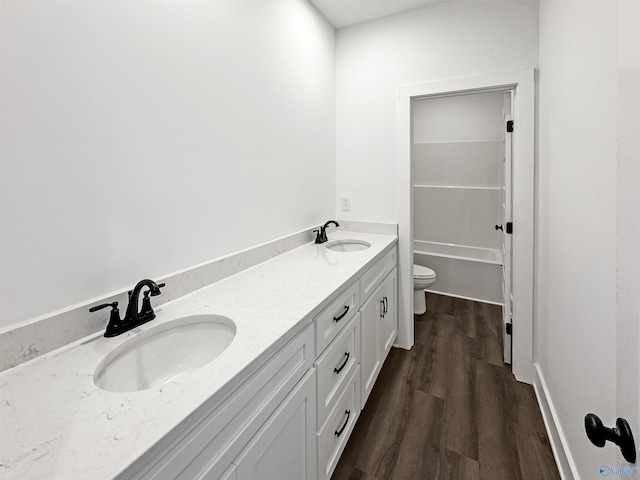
[[56, 424]]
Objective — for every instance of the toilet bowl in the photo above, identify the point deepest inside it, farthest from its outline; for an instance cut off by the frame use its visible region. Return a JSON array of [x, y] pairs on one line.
[[423, 277]]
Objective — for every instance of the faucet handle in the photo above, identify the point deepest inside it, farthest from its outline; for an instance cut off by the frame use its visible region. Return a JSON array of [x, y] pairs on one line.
[[146, 305], [115, 324], [147, 309], [113, 305]]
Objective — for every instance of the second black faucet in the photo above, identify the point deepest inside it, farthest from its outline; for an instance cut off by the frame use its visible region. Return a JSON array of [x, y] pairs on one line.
[[321, 236]]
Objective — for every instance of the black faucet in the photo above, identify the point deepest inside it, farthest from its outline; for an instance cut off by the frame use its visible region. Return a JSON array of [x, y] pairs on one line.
[[321, 236], [132, 318]]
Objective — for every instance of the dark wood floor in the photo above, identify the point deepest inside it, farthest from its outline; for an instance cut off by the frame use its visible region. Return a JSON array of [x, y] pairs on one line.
[[450, 408]]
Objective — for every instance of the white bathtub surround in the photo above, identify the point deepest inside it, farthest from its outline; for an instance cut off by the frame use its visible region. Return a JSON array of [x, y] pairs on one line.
[[473, 273], [79, 431], [461, 252], [28, 340]]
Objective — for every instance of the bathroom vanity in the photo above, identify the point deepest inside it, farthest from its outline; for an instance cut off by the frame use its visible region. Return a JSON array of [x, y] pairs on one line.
[[313, 327]]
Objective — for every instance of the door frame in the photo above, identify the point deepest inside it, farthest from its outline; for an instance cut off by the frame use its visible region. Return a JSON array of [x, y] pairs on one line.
[[522, 82]]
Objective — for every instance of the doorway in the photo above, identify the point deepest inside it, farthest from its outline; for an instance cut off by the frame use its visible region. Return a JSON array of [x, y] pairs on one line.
[[521, 84], [461, 167]]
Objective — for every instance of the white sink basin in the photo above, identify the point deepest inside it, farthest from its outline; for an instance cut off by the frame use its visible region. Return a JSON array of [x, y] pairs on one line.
[[157, 355], [348, 245]]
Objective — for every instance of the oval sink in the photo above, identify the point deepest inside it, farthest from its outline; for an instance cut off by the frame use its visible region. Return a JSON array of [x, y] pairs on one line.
[[153, 357], [347, 245]]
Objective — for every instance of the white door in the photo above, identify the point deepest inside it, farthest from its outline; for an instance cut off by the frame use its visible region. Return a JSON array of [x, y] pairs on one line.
[[627, 315], [507, 299]]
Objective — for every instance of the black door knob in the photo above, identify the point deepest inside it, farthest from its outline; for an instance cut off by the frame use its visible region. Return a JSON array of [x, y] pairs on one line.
[[621, 435], [498, 227]]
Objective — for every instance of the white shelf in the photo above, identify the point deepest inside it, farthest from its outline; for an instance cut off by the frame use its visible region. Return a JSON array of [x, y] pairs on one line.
[[444, 142], [459, 187]]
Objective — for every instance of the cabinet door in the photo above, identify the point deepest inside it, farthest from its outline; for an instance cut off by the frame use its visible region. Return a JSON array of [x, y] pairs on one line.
[[378, 331], [285, 447], [388, 317], [369, 344]]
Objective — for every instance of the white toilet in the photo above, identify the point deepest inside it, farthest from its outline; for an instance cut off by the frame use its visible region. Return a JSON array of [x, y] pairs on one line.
[[423, 277]]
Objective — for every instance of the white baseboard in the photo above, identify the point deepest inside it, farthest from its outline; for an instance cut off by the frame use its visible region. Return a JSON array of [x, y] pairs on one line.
[[559, 446]]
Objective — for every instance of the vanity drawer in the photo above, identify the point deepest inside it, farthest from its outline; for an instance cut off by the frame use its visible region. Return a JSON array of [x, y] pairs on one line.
[[372, 277], [336, 315], [335, 433], [336, 366]]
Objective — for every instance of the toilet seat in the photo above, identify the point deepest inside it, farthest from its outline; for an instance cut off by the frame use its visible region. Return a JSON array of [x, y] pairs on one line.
[[423, 273]]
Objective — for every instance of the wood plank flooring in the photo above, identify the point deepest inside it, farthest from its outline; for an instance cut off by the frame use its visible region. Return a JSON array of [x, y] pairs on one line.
[[450, 408]]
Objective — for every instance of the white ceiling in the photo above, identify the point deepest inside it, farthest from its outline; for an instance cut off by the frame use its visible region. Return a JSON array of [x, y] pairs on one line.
[[342, 13]]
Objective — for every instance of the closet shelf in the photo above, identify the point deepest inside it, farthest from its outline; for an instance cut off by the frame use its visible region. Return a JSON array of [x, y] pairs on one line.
[[458, 187], [444, 142]]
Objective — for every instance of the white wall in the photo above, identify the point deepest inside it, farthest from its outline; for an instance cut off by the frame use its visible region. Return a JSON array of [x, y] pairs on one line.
[[628, 233], [452, 39], [141, 138], [575, 300]]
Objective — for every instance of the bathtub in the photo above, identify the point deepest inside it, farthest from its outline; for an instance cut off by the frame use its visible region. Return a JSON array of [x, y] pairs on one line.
[[462, 271]]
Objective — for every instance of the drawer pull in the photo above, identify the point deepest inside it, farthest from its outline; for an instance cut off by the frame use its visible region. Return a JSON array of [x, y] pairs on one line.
[[341, 316], [384, 307], [346, 360], [339, 432]]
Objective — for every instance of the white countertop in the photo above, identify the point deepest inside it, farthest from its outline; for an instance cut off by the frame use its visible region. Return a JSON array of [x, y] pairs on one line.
[[56, 424]]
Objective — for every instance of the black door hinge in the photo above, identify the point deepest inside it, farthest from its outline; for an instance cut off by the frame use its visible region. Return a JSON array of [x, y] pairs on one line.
[[509, 228], [509, 328], [510, 126]]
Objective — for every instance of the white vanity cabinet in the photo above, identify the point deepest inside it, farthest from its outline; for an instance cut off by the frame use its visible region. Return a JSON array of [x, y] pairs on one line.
[[352, 341], [378, 320], [268, 422], [292, 417], [280, 402]]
